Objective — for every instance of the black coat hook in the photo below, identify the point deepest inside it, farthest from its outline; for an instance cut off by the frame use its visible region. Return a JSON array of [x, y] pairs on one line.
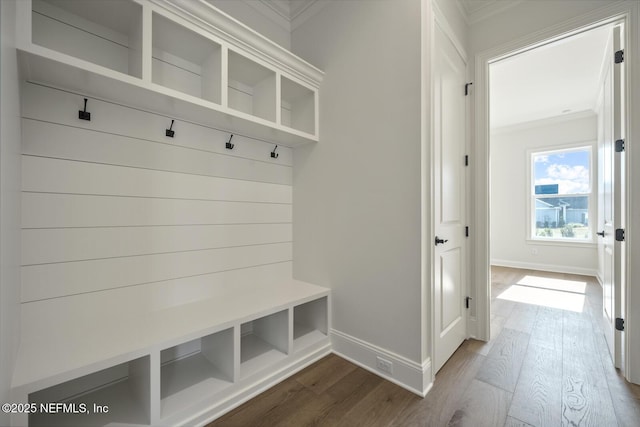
[[170, 133], [229, 145], [273, 153], [84, 115]]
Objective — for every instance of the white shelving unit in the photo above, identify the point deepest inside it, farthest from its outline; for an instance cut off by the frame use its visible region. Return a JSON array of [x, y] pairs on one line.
[[264, 342], [310, 324], [197, 358], [123, 390], [196, 370], [159, 57], [186, 61]]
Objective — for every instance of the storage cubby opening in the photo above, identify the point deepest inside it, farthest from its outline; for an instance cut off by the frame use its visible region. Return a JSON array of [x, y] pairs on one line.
[[104, 32], [195, 370], [309, 323], [297, 106], [117, 395], [185, 61], [252, 87], [264, 341]]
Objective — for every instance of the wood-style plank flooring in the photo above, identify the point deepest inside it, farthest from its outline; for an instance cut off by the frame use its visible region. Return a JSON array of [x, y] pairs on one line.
[[544, 366]]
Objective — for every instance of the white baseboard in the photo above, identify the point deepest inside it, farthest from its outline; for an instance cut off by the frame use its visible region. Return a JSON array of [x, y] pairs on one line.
[[410, 375], [545, 267]]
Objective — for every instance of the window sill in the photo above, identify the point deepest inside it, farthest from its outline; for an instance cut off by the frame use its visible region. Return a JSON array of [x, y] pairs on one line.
[[563, 243]]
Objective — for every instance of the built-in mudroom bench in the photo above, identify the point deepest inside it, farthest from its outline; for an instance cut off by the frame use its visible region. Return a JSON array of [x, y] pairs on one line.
[[157, 158]]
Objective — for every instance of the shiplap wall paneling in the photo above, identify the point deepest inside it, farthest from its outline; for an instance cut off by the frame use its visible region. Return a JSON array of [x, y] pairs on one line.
[[42, 103], [42, 246], [73, 210], [69, 278], [113, 203], [126, 394], [106, 32], [166, 294], [197, 370]]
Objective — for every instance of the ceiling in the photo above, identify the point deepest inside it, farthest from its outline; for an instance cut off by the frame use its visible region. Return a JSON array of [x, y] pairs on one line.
[[549, 81]]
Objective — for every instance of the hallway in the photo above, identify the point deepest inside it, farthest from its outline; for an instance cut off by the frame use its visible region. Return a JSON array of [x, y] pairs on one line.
[[544, 366]]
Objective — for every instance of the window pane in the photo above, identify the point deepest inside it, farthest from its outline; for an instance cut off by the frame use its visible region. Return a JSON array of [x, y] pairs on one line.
[[561, 192], [565, 172], [562, 217]]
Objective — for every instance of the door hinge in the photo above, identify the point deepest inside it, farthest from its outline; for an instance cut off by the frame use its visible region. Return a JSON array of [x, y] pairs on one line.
[[619, 145], [466, 301], [466, 231], [620, 234], [619, 324], [619, 56], [466, 88], [466, 160]]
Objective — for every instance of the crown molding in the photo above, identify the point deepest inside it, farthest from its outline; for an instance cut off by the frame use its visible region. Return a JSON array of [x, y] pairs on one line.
[[235, 33], [304, 10], [277, 11], [478, 10]]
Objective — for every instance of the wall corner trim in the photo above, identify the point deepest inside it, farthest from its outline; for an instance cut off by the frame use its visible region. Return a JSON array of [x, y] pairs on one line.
[[412, 376]]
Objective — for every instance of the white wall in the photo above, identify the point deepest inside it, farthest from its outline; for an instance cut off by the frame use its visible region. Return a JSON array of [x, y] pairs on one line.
[[509, 234], [275, 28], [9, 202], [357, 192]]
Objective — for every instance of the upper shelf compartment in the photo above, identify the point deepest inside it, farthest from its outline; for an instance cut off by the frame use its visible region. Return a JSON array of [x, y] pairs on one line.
[[298, 106], [107, 33], [186, 61], [252, 87], [181, 58]]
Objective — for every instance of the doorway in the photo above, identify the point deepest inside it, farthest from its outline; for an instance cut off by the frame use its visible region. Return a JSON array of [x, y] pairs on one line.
[[573, 216]]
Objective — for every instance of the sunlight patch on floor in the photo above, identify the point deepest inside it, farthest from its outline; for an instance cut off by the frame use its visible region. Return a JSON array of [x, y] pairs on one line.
[[544, 297], [554, 284]]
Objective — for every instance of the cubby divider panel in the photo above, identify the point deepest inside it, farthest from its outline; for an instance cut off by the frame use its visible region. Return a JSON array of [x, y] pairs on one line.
[[104, 32], [195, 370], [186, 61], [116, 395]]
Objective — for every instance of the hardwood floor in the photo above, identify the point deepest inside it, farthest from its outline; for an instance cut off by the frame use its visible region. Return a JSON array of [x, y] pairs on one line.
[[544, 366]]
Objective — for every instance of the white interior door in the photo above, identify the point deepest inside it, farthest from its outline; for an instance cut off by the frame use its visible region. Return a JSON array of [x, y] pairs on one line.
[[611, 197], [449, 199]]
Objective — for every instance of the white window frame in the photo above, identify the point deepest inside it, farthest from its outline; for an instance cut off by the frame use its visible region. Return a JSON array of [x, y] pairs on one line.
[[531, 196]]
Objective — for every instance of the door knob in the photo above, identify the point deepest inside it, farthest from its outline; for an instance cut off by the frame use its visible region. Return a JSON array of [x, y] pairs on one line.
[[601, 233], [439, 240]]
